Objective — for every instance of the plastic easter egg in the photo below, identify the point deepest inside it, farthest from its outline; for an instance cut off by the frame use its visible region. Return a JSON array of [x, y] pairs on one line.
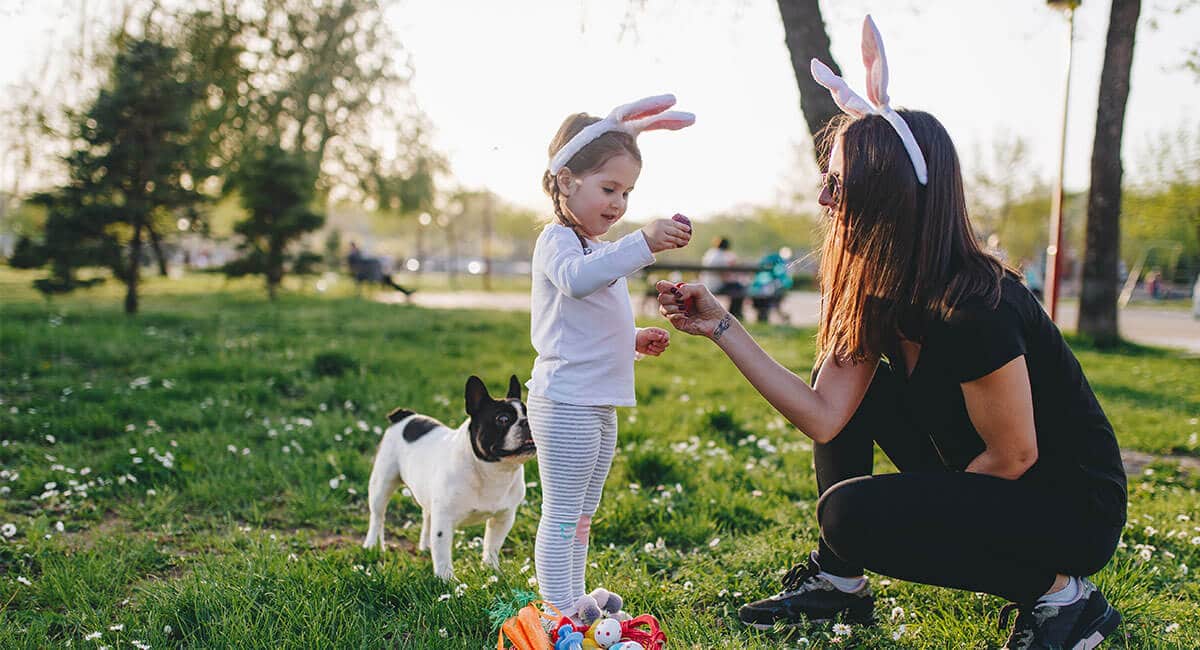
[[605, 632], [628, 645]]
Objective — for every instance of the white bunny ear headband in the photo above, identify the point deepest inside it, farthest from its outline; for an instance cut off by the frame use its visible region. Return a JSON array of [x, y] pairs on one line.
[[877, 78], [633, 118]]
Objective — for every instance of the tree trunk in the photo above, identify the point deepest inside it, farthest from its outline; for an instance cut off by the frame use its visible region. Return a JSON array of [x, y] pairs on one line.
[[274, 271], [1098, 292], [804, 33], [135, 262], [156, 244]]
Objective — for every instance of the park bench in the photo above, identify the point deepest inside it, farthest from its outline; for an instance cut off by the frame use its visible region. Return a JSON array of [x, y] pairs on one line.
[[764, 304]]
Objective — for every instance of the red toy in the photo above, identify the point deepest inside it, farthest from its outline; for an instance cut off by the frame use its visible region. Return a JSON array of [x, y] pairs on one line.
[[687, 302]]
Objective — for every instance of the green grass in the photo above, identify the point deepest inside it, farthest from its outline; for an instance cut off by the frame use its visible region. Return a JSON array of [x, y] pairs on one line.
[[194, 452]]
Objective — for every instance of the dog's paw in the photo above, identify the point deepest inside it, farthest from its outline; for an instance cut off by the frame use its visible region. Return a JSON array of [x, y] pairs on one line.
[[446, 574]]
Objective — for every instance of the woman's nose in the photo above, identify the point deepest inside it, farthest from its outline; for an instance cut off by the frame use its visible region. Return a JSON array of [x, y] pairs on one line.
[[825, 198]]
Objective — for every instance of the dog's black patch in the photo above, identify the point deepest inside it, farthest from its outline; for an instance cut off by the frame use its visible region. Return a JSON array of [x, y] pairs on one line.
[[419, 426], [398, 414], [492, 419]]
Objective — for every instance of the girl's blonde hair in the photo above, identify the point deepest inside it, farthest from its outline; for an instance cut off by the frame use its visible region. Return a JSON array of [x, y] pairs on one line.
[[590, 158]]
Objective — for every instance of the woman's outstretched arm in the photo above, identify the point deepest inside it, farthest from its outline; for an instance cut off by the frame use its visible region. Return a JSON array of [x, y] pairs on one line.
[[819, 412]]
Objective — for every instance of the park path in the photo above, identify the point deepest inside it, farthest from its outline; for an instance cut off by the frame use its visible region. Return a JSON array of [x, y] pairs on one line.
[[1146, 325]]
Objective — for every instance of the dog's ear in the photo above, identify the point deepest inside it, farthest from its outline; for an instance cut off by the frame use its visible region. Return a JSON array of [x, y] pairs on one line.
[[477, 393], [514, 388]]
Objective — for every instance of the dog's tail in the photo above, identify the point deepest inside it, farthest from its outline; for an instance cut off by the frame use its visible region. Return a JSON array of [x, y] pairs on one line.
[[397, 414]]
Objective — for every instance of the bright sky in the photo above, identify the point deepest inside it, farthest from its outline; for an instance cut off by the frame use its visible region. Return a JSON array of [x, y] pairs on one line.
[[980, 66], [497, 78]]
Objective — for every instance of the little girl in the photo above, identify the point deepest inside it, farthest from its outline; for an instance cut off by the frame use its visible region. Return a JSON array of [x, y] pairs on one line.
[[582, 326]]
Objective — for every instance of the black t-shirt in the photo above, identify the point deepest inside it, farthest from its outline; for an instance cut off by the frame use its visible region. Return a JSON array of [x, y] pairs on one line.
[[1076, 445]]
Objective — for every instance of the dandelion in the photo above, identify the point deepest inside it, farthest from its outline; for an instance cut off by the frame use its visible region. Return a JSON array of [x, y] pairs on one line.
[[841, 629]]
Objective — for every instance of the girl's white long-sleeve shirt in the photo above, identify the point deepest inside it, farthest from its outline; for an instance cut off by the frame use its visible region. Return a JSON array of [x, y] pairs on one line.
[[581, 320]]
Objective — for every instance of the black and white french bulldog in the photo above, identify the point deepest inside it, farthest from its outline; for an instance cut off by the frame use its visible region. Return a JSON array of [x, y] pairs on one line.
[[459, 477]]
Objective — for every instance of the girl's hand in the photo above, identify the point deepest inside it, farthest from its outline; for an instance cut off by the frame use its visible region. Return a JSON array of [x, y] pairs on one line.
[[653, 341], [665, 234], [701, 317]]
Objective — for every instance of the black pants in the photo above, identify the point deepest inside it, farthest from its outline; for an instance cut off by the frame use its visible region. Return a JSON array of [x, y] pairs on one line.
[[937, 526]]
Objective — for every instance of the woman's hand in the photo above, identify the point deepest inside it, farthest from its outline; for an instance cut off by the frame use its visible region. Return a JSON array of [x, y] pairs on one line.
[[665, 234], [652, 341], [692, 309]]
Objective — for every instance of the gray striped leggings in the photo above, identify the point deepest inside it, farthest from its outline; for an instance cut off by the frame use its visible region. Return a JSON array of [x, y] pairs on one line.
[[575, 446]]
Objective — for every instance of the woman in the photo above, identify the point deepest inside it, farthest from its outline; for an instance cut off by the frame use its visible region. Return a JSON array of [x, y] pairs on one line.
[[1010, 479]]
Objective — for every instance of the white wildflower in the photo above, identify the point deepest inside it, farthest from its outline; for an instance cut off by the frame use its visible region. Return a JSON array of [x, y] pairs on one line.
[[841, 629], [93, 636]]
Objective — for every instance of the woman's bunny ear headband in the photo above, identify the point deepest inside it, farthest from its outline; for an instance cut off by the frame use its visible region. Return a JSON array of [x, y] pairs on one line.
[[643, 115], [877, 78]]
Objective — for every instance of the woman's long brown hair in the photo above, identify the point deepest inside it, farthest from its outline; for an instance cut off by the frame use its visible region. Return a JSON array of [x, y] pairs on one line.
[[897, 254]]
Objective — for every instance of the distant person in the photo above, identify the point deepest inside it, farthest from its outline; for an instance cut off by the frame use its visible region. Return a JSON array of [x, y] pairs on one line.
[[370, 269], [1010, 480], [582, 327], [1154, 284], [724, 283], [770, 284], [1032, 272], [1196, 299]]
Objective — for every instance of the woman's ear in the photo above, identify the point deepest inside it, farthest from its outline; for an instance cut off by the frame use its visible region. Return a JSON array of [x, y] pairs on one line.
[[565, 180]]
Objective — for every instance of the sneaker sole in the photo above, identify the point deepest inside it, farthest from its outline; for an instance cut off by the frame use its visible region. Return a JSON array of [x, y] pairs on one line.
[[849, 617], [1103, 627]]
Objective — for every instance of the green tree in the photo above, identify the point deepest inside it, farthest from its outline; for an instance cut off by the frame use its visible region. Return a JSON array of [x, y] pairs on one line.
[[131, 172], [277, 191]]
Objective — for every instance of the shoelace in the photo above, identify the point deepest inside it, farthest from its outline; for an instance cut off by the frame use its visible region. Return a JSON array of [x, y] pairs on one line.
[[798, 575]]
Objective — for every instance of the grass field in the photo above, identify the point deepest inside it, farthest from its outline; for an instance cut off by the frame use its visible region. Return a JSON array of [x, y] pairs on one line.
[[196, 476]]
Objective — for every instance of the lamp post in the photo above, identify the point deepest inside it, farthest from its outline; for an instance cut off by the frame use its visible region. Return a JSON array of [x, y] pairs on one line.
[[1054, 243]]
